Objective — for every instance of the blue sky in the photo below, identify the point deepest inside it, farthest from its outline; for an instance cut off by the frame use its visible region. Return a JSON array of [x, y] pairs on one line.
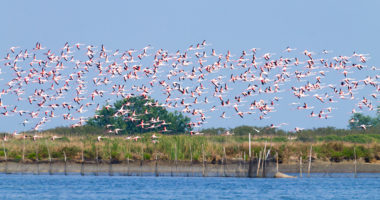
[[341, 26]]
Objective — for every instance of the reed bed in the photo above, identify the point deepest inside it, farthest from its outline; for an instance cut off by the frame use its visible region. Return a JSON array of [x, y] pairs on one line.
[[116, 149]]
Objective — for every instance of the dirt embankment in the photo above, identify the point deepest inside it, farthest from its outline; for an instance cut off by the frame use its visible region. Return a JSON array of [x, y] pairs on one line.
[[182, 168]]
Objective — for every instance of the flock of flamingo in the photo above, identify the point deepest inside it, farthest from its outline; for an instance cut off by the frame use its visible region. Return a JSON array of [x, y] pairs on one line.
[[69, 84]]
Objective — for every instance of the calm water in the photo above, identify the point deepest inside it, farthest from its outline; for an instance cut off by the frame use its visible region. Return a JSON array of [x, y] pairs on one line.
[[339, 186]]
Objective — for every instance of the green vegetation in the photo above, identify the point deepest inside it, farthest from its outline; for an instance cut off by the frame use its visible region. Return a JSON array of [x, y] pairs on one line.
[[308, 135], [329, 143], [118, 149], [126, 115], [358, 120]]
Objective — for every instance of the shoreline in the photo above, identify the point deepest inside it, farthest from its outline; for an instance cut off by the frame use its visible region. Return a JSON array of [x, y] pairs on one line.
[[331, 167], [179, 168]]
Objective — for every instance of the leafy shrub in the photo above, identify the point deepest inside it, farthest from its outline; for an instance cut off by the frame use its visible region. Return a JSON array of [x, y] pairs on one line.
[[31, 156], [146, 156]]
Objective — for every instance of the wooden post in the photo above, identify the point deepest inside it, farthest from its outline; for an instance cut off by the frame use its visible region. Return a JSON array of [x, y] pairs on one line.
[[203, 159], [191, 156], [23, 157], [191, 161], [50, 166], [128, 165], [124, 168], [258, 165], [82, 165], [5, 158], [249, 143], [250, 167], [65, 168], [47, 147], [355, 175], [175, 153], [301, 166], [176, 156], [156, 167], [224, 162], [276, 162], [243, 163], [264, 159], [38, 164], [97, 160], [110, 172], [23, 151], [309, 167], [129, 152], [142, 159], [265, 150], [171, 160]]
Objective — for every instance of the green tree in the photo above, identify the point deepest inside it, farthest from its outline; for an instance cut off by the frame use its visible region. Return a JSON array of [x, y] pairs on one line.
[[213, 131], [126, 115], [359, 119]]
